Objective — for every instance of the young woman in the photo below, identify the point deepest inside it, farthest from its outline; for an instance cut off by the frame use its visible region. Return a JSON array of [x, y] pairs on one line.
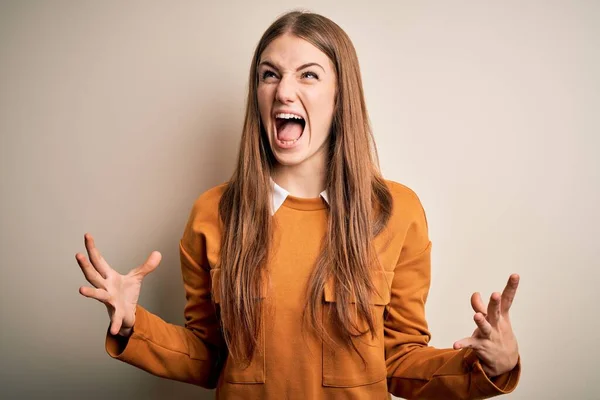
[[306, 274]]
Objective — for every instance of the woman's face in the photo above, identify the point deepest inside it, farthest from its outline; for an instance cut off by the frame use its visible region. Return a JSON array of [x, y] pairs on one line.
[[296, 95]]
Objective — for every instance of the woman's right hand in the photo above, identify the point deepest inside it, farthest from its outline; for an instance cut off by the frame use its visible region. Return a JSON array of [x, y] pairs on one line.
[[119, 293]]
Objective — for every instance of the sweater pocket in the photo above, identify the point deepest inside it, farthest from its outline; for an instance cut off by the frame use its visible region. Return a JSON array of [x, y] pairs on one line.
[[342, 366], [233, 371]]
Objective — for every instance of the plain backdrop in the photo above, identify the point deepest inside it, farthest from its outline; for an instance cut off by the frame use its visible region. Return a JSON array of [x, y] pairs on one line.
[[115, 116]]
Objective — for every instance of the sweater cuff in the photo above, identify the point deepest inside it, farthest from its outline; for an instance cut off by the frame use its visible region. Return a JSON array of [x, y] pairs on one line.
[[486, 387], [123, 348]]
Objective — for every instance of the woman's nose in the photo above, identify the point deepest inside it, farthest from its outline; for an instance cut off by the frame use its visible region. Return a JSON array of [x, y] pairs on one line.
[[286, 90]]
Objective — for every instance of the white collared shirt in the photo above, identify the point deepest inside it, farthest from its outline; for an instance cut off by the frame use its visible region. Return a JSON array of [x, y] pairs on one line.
[[280, 194]]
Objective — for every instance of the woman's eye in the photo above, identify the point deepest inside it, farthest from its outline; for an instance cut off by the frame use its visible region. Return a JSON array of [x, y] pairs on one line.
[[267, 74], [312, 74]]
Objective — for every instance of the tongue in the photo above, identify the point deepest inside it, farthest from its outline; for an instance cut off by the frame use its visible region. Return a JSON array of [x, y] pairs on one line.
[[289, 131]]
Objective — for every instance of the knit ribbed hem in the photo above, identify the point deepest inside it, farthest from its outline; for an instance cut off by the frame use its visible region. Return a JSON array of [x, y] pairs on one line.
[[305, 204]]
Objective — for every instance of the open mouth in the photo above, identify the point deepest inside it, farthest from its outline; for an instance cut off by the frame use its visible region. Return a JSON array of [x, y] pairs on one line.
[[289, 128]]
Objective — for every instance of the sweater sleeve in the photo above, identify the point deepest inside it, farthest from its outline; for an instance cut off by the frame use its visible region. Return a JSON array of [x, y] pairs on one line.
[[416, 370], [190, 353]]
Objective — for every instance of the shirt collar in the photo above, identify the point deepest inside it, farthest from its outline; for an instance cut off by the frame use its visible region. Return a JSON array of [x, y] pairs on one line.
[[280, 194]]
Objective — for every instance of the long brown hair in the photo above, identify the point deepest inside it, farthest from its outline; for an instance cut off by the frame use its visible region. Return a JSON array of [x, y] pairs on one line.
[[360, 203]]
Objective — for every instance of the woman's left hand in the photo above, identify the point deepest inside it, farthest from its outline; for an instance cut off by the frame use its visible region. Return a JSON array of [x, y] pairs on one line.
[[494, 341]]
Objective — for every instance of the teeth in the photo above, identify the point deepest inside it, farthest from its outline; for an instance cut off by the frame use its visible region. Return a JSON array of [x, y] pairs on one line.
[[288, 116], [289, 141]]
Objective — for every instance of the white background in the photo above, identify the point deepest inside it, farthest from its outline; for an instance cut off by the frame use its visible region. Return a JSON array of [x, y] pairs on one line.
[[115, 116]]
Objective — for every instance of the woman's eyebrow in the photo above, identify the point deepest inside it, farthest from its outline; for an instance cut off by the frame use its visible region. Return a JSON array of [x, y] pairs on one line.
[[310, 64]]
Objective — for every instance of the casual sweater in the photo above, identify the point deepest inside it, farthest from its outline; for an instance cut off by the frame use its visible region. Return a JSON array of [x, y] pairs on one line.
[[291, 361]]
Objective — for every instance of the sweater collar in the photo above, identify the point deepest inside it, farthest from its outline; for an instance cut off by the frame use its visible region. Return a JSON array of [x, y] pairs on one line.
[[280, 194]]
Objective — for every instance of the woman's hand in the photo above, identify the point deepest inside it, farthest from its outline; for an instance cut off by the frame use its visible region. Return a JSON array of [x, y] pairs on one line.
[[494, 341], [119, 293]]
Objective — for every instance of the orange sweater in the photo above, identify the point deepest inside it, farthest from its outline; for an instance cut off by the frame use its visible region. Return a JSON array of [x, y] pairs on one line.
[[292, 363]]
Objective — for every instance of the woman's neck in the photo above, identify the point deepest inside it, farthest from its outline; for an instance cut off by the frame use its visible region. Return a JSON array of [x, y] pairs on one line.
[[300, 180]]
